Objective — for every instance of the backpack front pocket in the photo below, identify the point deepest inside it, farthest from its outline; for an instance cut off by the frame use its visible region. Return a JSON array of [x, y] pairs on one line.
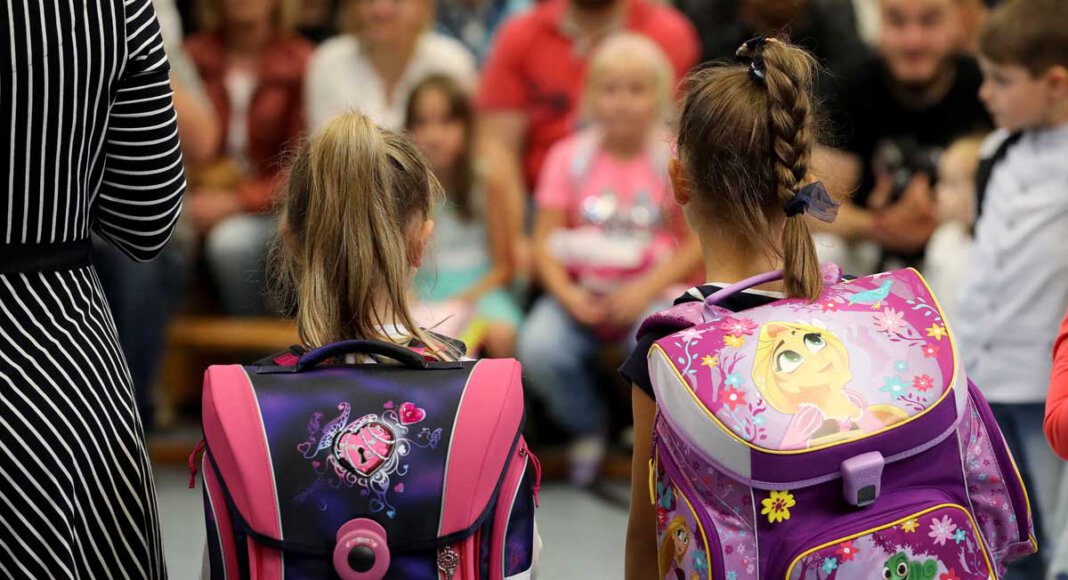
[[687, 543], [939, 542]]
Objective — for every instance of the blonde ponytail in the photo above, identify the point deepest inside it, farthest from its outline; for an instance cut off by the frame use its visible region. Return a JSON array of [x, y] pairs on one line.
[[355, 198]]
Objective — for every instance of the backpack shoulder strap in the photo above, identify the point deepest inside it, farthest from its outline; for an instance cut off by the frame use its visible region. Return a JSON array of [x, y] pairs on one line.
[[586, 144], [987, 164], [688, 314]]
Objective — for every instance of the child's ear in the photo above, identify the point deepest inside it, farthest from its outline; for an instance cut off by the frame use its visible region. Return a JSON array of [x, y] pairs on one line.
[[422, 238], [679, 184], [1057, 79]]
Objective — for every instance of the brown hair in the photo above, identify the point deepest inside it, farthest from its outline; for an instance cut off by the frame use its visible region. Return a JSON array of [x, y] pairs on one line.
[[212, 16], [1029, 33], [355, 197], [460, 109], [745, 143]]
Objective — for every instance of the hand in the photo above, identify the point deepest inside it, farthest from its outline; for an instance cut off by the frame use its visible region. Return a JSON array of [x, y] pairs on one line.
[[630, 302], [208, 206], [585, 307], [880, 194], [906, 226]]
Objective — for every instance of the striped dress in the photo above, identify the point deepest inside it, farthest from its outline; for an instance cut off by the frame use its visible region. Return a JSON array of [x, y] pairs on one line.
[[88, 143]]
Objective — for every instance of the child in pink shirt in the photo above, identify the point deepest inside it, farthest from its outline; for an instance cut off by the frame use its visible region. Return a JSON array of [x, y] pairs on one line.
[[608, 241]]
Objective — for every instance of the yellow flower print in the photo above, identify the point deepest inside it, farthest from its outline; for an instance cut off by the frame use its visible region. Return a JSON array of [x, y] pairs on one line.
[[777, 507], [734, 341], [937, 331], [910, 526], [710, 361]]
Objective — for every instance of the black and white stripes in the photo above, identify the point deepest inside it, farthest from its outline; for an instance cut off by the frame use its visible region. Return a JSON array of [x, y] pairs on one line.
[[88, 142]]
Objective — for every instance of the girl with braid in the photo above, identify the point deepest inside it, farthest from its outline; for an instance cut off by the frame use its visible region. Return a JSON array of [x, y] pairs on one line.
[[745, 139]]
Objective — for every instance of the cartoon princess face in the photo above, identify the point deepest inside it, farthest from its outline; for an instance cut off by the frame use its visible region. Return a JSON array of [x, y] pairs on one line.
[[803, 371], [674, 545], [798, 363]]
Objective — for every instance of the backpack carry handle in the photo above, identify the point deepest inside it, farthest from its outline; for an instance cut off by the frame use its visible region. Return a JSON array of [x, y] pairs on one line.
[[403, 355], [744, 285]]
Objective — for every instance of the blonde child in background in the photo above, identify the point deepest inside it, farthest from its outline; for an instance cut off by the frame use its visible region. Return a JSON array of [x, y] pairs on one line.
[[604, 246], [464, 284], [950, 249]]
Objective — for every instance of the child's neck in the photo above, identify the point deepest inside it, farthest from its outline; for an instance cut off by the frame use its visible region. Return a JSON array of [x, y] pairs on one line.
[[624, 148], [729, 260]]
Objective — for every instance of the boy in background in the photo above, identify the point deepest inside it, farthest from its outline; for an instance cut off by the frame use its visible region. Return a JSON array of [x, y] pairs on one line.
[[1017, 289]]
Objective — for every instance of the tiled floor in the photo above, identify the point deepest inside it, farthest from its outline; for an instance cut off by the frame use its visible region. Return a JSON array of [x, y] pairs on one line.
[[583, 534]]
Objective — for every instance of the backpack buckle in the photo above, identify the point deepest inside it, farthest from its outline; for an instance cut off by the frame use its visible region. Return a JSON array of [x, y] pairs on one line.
[[862, 478], [361, 552]]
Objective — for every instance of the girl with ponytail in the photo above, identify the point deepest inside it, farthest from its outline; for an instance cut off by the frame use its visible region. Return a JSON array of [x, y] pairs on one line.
[[741, 175], [355, 219]]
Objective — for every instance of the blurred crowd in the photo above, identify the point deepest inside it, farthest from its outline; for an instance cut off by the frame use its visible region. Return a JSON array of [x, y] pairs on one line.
[[548, 123]]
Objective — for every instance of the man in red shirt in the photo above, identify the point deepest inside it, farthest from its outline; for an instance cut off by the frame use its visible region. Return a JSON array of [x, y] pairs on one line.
[[532, 80]]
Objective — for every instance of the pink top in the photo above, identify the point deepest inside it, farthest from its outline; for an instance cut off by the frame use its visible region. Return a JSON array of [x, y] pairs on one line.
[[626, 179], [616, 208]]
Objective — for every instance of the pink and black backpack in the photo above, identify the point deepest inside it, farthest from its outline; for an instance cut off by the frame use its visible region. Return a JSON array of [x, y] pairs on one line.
[[415, 470], [835, 439]]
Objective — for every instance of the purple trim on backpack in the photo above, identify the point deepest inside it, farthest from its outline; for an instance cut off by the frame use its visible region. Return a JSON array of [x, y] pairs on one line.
[[1001, 451], [744, 285], [792, 470]]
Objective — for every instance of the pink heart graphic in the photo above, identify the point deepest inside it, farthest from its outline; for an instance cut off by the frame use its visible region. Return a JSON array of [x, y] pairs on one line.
[[316, 464], [399, 488], [388, 405], [410, 414], [365, 448]]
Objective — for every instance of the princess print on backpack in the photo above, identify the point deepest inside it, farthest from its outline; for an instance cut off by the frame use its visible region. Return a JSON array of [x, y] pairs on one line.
[[803, 371]]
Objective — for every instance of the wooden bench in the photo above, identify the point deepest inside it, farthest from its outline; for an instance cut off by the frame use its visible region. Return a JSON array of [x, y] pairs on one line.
[[194, 342]]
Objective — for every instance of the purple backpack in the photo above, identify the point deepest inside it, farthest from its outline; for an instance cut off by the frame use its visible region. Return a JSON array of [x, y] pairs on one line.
[[835, 439], [415, 470]]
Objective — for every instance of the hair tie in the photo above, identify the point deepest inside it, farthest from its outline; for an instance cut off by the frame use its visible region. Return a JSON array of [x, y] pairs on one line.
[[752, 52], [813, 199]]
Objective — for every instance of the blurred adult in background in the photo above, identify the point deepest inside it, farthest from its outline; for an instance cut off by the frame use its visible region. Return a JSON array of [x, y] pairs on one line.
[[529, 93], [387, 49], [892, 117], [474, 22], [143, 295], [252, 67], [826, 28]]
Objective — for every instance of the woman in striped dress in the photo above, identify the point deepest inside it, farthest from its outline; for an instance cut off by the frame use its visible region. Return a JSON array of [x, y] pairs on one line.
[[88, 142]]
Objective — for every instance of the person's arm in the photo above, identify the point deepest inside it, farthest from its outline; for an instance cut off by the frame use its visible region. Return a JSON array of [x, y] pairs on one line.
[[553, 275], [641, 563], [140, 195], [505, 179], [197, 127], [840, 172], [1056, 423], [632, 300], [500, 273], [504, 93]]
